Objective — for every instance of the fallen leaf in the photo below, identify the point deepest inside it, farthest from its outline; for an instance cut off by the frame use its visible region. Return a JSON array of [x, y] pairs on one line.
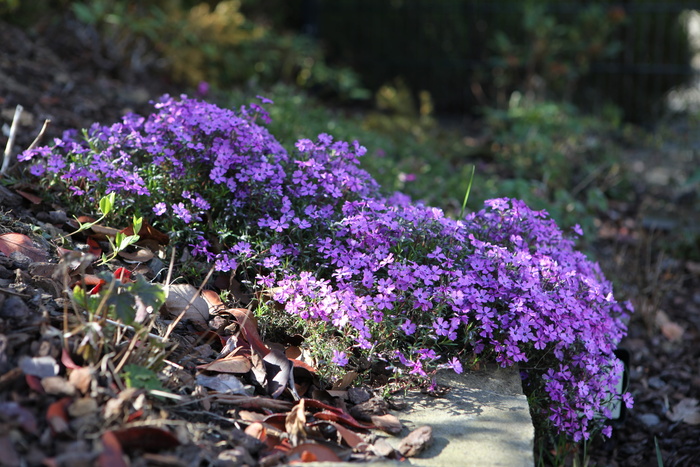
[[81, 379], [57, 415], [148, 232], [249, 329], [213, 300], [112, 454], [311, 452], [388, 423], [124, 275], [346, 381], [343, 418], [235, 364], [145, 438], [279, 373], [350, 438], [140, 255], [34, 199], [223, 383], [686, 410], [67, 360], [257, 430], [94, 248], [253, 402], [16, 242], [416, 441], [178, 302], [295, 422], [670, 329]]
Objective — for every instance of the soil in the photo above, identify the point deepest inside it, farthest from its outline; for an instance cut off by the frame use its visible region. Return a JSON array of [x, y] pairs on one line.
[[64, 73]]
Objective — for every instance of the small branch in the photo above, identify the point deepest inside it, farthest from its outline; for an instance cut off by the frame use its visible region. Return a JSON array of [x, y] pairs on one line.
[[40, 136], [11, 140]]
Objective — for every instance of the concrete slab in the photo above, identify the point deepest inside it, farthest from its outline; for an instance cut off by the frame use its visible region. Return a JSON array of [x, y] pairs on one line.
[[483, 421]]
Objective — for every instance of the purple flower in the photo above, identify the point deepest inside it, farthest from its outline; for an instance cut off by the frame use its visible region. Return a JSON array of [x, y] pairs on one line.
[[159, 209], [181, 211], [340, 358]]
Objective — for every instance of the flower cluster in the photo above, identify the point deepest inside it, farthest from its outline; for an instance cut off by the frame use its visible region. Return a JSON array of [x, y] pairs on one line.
[[396, 279]]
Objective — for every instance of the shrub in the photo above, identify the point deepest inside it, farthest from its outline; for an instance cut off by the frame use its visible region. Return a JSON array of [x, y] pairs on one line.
[[384, 277]]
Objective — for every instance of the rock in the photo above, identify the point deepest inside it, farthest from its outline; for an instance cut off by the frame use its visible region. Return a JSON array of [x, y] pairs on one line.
[[649, 419], [14, 307], [416, 441]]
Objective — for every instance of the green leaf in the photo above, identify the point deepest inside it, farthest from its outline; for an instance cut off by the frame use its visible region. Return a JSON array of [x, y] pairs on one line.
[[123, 304], [79, 296], [140, 377], [107, 203], [126, 241], [150, 294], [138, 221]]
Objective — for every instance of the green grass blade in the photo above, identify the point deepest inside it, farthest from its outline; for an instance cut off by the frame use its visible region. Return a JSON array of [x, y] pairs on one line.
[[466, 195]]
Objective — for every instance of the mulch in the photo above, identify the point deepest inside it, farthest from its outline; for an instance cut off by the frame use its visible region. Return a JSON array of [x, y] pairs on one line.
[[62, 72]]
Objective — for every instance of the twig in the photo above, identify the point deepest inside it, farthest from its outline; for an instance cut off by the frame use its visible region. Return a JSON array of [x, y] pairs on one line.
[[172, 325], [40, 136], [11, 139]]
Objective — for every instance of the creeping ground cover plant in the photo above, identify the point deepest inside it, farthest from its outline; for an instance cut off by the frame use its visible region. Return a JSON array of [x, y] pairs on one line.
[[380, 276]]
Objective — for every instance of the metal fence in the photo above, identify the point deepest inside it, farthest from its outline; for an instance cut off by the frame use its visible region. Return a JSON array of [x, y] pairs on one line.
[[446, 47]]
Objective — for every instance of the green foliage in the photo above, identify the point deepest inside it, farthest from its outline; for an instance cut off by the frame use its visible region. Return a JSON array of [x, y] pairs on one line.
[[545, 54], [556, 159], [137, 376], [213, 42]]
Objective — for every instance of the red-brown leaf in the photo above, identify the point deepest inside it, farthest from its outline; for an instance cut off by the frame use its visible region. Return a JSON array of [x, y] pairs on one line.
[[34, 199], [57, 415], [145, 438], [310, 452], [16, 242], [112, 454], [345, 419], [94, 248]]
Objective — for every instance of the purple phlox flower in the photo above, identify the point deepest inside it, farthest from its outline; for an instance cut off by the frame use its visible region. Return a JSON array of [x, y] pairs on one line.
[[160, 208], [340, 358], [408, 327], [181, 211]]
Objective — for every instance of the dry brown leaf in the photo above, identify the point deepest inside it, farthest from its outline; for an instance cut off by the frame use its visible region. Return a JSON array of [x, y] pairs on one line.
[[295, 423], [388, 423], [178, 302], [213, 300], [140, 255], [279, 373], [16, 242], [686, 410], [310, 452], [670, 329], [81, 378], [235, 364], [347, 380]]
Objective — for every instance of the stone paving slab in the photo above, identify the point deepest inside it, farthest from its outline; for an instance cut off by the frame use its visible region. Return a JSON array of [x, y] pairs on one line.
[[482, 421]]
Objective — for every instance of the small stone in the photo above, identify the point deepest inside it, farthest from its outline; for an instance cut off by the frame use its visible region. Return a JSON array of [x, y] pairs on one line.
[[656, 383], [57, 385], [416, 441], [82, 407], [649, 419], [358, 395], [14, 307]]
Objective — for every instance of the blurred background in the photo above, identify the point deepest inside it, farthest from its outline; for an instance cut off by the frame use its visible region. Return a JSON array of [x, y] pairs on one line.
[[588, 109]]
